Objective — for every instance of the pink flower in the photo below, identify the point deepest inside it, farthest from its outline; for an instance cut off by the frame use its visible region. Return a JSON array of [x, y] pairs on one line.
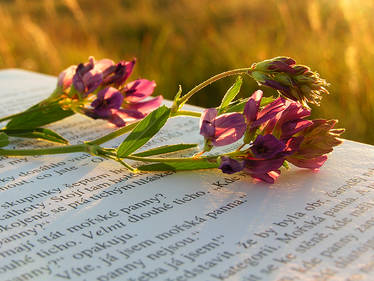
[[65, 78], [138, 90], [121, 72], [289, 121], [222, 130], [254, 116]]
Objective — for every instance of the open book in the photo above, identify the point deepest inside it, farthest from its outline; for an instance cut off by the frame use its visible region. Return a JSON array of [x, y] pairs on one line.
[[79, 217]]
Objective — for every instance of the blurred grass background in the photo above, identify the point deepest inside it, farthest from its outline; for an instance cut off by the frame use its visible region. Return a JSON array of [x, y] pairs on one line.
[[186, 41]]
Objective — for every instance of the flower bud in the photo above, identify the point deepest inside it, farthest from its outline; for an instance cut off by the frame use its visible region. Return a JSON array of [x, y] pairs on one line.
[[296, 82]]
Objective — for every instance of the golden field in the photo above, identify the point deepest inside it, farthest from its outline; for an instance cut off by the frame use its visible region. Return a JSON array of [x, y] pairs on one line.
[[185, 42]]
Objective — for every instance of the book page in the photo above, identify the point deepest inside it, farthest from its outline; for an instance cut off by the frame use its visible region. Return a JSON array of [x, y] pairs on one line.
[[80, 217]]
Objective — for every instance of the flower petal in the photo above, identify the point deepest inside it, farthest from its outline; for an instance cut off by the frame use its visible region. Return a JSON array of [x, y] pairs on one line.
[[252, 106], [105, 66], [255, 166], [65, 78], [292, 127], [267, 147], [138, 90], [107, 99], [207, 122], [228, 128], [230, 166], [312, 163], [145, 107]]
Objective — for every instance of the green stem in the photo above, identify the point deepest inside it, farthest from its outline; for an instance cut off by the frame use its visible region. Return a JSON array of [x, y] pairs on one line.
[[202, 85], [149, 159], [114, 134], [45, 151], [132, 169], [187, 113]]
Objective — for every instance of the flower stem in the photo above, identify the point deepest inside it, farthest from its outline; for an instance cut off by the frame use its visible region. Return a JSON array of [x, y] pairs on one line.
[[187, 113], [202, 85], [165, 160], [114, 134]]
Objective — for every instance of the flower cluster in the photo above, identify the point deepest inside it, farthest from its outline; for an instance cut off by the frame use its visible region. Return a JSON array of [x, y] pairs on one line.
[[296, 82], [273, 131], [274, 134], [99, 90]]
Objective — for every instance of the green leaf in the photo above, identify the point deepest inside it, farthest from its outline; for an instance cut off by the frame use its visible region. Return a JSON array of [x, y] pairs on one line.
[[266, 100], [144, 131], [4, 141], [180, 166], [285, 164], [37, 133], [239, 105], [165, 149], [230, 94], [39, 115]]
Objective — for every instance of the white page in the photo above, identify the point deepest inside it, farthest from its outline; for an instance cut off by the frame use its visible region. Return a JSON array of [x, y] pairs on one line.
[[78, 217]]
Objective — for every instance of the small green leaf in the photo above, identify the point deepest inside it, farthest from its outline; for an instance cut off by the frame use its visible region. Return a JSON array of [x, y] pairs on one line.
[[285, 164], [239, 105], [180, 166], [37, 133], [266, 100], [230, 94], [165, 149], [144, 131], [176, 106], [178, 94], [39, 115], [4, 141]]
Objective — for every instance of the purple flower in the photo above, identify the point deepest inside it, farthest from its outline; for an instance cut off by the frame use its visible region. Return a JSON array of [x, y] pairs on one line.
[[254, 117], [120, 74], [267, 147], [269, 112], [263, 170], [87, 78], [107, 100], [267, 155], [222, 130], [289, 121], [318, 140], [115, 101], [230, 166], [252, 106]]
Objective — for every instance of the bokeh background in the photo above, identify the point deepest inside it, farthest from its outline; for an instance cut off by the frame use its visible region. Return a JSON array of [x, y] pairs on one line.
[[186, 41]]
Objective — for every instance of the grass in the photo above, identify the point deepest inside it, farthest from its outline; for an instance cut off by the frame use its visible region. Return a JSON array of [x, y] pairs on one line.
[[187, 41]]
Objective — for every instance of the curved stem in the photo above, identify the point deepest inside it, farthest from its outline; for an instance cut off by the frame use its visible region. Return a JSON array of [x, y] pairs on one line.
[[213, 79]]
